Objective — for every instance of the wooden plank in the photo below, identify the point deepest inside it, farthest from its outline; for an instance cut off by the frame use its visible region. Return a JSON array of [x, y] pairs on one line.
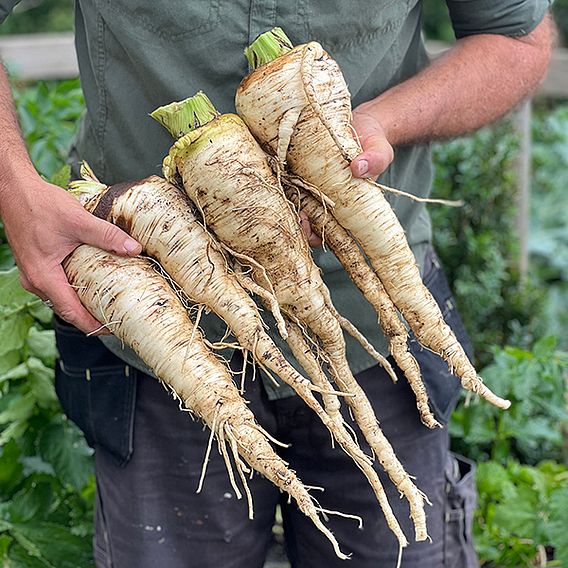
[[40, 56], [556, 83], [52, 56], [524, 173]]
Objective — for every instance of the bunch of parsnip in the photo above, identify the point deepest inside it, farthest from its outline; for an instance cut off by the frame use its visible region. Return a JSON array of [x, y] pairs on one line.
[[224, 223]]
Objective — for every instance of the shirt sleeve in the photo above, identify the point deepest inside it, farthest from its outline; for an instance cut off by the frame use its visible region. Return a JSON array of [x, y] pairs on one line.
[[6, 6], [504, 17]]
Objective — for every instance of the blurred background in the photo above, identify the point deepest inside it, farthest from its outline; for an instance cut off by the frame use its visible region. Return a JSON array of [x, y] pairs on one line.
[[506, 255]]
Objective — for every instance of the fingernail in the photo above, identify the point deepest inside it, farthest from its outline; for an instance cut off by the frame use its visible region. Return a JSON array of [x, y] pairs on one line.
[[362, 167], [130, 245]]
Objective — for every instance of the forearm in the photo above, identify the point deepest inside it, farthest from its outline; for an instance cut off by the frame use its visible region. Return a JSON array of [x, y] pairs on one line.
[[15, 163], [475, 82]]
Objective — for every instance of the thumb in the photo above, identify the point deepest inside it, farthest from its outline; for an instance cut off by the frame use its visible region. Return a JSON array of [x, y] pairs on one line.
[[376, 156], [109, 237]]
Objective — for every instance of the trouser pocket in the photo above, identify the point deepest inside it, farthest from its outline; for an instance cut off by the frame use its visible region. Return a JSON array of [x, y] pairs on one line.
[[461, 499], [97, 391]]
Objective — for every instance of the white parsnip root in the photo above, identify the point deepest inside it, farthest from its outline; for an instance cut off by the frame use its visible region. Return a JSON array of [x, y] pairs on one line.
[[228, 177], [297, 104], [148, 316], [349, 254], [160, 217]]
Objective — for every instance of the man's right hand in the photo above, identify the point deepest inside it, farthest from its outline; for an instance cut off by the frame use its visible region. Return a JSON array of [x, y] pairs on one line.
[[44, 224], [377, 152]]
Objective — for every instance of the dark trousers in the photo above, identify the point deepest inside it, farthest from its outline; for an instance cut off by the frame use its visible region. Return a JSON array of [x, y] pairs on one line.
[[149, 457]]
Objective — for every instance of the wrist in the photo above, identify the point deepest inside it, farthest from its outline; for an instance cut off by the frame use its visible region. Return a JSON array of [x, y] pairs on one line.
[[381, 111], [17, 178]]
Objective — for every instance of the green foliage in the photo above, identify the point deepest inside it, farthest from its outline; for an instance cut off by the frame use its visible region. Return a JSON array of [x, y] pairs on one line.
[[478, 243], [437, 24], [48, 114], [519, 517], [46, 479], [560, 11], [558, 521], [32, 16], [519, 487], [46, 470], [548, 242], [530, 430], [521, 513]]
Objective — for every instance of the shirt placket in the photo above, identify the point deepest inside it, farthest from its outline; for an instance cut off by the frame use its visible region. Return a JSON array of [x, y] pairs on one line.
[[262, 17]]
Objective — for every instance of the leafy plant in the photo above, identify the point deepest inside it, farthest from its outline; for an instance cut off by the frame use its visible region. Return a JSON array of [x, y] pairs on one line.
[[518, 520], [46, 480], [548, 242], [521, 515], [530, 430], [48, 115], [478, 242]]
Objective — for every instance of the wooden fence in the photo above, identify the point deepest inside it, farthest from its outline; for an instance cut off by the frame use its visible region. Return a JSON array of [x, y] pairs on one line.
[[52, 56]]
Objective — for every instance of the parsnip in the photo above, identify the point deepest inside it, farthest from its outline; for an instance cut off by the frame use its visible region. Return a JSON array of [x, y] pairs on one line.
[[349, 254], [227, 176], [160, 217], [140, 308], [297, 104]]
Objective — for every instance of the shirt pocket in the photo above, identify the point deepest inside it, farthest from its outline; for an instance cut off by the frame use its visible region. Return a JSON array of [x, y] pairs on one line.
[[97, 391], [174, 21], [340, 25]]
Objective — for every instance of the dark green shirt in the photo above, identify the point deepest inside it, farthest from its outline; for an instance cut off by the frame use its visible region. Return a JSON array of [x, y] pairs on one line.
[[136, 55]]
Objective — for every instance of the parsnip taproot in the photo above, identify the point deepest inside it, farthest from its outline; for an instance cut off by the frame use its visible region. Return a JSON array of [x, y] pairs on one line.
[[297, 104], [159, 216], [228, 177], [344, 247], [140, 308]]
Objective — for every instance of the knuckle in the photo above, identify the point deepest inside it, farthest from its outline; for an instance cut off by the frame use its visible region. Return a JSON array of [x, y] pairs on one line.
[[68, 314], [76, 219], [109, 233]]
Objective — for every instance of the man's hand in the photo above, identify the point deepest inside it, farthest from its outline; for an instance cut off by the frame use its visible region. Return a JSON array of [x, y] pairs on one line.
[[313, 240], [374, 160], [377, 152], [44, 224]]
